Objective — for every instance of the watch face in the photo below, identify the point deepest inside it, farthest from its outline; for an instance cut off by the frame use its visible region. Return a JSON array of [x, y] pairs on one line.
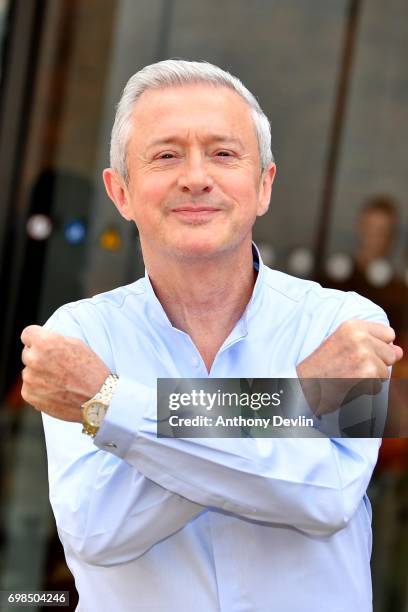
[[94, 413]]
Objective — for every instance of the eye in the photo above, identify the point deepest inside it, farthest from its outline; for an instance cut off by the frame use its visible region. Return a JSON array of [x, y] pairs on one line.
[[166, 155], [224, 153]]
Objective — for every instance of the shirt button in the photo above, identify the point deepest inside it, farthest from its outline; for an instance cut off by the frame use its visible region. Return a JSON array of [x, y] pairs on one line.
[[195, 361], [110, 445]]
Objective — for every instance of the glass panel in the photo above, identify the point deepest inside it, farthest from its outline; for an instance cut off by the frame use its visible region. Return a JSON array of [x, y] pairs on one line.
[[296, 95], [288, 53], [368, 250]]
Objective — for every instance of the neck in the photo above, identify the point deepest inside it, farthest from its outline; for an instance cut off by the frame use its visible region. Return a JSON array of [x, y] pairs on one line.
[[363, 258], [204, 298]]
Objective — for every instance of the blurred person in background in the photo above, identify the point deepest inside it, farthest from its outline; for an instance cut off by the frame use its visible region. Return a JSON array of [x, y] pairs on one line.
[[375, 275], [373, 272]]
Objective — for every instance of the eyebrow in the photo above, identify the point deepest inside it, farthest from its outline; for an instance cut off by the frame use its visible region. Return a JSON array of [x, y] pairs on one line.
[[209, 138]]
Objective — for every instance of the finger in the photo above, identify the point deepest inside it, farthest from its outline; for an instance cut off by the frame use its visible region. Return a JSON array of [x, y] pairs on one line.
[[380, 331], [373, 363], [386, 352], [380, 370], [26, 391], [399, 353], [25, 355], [30, 333]]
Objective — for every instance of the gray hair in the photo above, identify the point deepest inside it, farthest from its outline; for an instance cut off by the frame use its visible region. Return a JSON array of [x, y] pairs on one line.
[[174, 72]]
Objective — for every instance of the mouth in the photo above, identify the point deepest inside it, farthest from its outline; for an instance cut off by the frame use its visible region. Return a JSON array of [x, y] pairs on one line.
[[195, 209], [198, 213]]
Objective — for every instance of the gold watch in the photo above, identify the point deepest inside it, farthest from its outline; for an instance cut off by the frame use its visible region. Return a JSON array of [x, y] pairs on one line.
[[94, 410]]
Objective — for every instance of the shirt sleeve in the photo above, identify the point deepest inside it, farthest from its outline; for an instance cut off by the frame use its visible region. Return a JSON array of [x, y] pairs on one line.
[[314, 485], [106, 511]]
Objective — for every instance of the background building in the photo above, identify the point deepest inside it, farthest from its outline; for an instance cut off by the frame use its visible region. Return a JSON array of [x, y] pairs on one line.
[[332, 78]]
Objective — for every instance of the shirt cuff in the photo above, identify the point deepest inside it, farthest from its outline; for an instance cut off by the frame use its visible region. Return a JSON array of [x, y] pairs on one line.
[[132, 402]]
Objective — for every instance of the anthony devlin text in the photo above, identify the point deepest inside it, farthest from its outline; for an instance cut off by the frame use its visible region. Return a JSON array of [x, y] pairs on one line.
[[239, 421]]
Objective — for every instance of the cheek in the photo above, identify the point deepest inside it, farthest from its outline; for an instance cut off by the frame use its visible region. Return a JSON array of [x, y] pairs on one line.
[[147, 198], [243, 190], [153, 188]]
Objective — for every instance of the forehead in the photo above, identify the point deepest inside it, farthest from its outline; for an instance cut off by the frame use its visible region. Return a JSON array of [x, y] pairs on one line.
[[377, 216], [193, 109]]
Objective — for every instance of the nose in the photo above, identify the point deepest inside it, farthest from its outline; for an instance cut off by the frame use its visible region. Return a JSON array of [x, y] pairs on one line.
[[194, 177]]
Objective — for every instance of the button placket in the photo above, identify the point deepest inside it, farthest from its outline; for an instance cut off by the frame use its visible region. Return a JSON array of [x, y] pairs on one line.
[[195, 361]]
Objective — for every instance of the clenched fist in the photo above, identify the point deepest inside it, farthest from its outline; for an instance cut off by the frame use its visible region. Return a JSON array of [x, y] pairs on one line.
[[60, 373], [358, 350]]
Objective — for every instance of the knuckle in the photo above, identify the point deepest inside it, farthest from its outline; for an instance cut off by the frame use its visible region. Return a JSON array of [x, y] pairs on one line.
[[24, 393], [40, 342], [27, 359], [25, 334], [391, 334], [31, 359], [363, 354], [371, 371], [390, 358], [366, 368], [355, 324], [27, 377], [360, 335], [29, 333], [353, 331], [347, 325]]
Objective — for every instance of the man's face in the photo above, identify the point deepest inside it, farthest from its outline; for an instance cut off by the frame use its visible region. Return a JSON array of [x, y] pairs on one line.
[[195, 185], [376, 233]]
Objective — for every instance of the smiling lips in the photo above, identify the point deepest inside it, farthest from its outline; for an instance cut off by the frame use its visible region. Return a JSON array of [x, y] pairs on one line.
[[196, 213], [195, 209]]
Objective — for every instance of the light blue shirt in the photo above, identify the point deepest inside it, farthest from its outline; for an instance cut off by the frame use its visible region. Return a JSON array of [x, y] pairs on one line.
[[236, 525]]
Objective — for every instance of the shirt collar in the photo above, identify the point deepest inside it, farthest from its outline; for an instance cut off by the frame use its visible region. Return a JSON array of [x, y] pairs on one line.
[[157, 312]]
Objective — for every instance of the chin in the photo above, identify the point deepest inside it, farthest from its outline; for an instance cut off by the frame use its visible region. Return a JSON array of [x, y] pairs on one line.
[[199, 249]]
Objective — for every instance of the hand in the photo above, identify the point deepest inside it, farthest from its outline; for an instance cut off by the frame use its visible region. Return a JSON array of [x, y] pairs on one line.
[[60, 374], [357, 350]]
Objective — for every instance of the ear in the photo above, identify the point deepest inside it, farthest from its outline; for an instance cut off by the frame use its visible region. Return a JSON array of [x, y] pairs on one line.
[[265, 189], [117, 191]]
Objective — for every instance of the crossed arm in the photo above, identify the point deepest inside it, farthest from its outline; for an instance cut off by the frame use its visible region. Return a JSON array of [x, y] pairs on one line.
[[112, 506]]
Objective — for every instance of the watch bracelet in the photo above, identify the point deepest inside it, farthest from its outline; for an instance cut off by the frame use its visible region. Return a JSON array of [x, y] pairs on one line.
[[89, 430], [106, 392], [104, 395]]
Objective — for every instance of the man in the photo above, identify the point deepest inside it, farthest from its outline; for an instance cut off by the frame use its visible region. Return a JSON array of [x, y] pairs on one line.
[[373, 275], [377, 230], [165, 524]]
